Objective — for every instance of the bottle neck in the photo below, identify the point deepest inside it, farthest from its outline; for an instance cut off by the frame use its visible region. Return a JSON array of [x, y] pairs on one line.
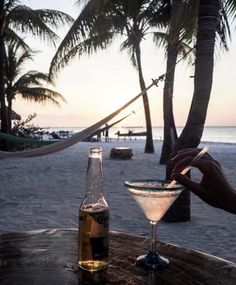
[[94, 178]]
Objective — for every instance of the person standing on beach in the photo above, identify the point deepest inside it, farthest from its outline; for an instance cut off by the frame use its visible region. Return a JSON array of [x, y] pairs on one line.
[[107, 133], [214, 188]]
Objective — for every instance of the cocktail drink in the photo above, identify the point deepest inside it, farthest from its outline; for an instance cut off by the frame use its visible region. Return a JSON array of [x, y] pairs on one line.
[[154, 198]]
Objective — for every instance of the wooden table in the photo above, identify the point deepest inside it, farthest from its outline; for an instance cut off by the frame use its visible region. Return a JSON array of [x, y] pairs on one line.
[[46, 256]]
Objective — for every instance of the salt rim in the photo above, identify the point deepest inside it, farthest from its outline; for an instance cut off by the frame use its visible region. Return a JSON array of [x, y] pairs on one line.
[[150, 184]]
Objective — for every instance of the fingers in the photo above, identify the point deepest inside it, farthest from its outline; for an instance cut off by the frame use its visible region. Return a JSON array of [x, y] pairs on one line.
[[188, 160], [192, 152], [187, 182]]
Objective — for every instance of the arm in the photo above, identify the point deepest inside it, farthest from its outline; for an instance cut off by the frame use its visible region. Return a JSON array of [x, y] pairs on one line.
[[213, 188]]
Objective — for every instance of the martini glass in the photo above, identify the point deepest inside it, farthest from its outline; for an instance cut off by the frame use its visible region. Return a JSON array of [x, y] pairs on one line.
[[154, 197]]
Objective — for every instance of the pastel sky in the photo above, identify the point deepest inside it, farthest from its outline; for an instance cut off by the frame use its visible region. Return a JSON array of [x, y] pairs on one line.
[[95, 86]]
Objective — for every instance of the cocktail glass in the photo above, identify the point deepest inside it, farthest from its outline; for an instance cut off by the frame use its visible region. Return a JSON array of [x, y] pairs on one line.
[[154, 198]]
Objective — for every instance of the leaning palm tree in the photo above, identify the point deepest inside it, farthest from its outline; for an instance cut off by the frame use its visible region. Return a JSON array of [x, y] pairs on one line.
[[176, 44], [17, 19], [30, 85], [212, 23], [212, 28], [99, 24]]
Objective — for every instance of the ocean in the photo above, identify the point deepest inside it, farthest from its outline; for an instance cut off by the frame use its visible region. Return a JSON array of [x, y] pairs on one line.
[[223, 134]]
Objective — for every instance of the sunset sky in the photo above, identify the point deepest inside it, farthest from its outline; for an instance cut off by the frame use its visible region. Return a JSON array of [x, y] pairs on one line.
[[95, 86]]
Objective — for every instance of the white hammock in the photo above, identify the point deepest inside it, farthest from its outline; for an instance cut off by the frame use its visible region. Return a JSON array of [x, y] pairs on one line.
[[60, 145]]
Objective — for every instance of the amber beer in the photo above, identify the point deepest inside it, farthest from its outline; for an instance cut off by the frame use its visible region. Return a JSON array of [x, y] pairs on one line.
[[93, 239]]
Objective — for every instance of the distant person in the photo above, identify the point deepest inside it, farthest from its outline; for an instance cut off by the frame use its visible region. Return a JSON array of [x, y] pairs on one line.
[[214, 188], [107, 133], [118, 134], [130, 133]]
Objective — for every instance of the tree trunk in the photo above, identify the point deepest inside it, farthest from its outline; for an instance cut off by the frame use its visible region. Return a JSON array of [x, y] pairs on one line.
[[9, 111], [2, 87], [170, 133], [3, 114], [149, 146], [208, 21]]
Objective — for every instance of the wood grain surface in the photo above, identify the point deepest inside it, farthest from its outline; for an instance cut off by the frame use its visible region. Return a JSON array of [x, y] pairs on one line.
[[49, 257]]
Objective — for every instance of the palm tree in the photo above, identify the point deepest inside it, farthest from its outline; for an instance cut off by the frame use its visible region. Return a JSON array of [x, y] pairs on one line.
[[98, 25], [28, 85], [176, 44], [210, 13], [212, 26], [208, 26], [15, 19]]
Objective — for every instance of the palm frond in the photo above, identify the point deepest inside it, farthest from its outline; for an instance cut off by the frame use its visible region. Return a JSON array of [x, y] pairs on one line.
[[25, 56], [11, 4], [41, 95], [12, 38], [186, 52], [160, 39], [88, 46], [16, 55], [86, 25], [188, 20], [129, 48], [54, 18], [32, 78], [230, 9], [223, 30], [26, 20], [93, 5], [158, 14]]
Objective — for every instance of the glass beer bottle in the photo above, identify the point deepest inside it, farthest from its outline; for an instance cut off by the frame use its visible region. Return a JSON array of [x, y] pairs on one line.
[[93, 218]]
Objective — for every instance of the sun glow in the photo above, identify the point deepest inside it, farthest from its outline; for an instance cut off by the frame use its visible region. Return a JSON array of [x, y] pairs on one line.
[[95, 86]]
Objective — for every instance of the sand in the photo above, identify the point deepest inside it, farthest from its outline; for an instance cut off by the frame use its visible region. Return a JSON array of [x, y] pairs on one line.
[[45, 192]]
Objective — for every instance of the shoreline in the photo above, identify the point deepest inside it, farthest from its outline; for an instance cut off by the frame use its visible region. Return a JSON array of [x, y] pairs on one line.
[[225, 134], [45, 192]]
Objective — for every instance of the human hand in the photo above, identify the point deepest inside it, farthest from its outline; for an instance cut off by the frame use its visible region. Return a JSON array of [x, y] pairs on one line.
[[213, 188]]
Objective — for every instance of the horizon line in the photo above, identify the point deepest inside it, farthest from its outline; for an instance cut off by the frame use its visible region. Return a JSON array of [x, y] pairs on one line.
[[140, 126]]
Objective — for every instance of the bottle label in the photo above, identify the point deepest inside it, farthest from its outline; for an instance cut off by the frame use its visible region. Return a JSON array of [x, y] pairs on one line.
[[94, 233], [99, 234], [99, 248], [101, 218]]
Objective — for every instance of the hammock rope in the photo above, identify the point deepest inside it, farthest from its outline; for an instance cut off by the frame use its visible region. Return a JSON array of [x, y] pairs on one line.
[[63, 144], [99, 131]]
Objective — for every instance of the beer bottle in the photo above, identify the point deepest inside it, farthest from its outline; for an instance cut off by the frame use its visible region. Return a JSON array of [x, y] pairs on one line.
[[93, 218]]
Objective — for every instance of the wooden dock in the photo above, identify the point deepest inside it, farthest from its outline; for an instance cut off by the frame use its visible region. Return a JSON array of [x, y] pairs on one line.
[[131, 134]]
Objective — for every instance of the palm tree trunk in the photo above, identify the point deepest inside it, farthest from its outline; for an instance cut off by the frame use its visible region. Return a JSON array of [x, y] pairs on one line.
[[9, 112], [208, 21], [170, 133], [2, 87], [3, 116], [149, 146]]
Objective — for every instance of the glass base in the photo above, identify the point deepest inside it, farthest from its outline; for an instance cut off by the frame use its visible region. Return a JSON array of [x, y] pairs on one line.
[[152, 261]]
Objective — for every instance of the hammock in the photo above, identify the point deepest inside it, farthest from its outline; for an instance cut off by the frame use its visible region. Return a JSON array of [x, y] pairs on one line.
[[62, 144], [18, 139]]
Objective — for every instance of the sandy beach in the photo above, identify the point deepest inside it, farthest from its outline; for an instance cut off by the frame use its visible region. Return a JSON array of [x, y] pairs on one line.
[[46, 192]]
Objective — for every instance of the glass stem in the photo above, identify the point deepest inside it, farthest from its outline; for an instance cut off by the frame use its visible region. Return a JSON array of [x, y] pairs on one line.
[[153, 231]]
